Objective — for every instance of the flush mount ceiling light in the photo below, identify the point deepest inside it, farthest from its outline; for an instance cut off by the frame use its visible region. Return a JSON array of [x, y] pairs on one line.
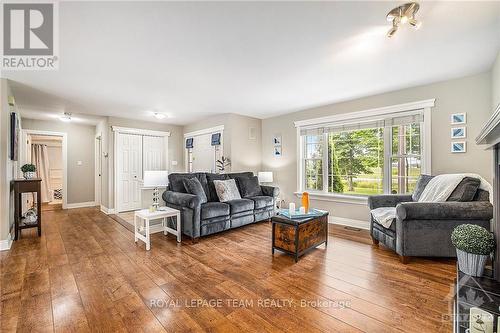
[[159, 115], [402, 15], [66, 117]]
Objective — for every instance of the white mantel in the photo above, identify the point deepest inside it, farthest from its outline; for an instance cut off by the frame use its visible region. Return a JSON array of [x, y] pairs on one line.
[[490, 133]]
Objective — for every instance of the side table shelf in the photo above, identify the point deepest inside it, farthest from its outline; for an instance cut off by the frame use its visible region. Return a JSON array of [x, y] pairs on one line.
[[20, 186]]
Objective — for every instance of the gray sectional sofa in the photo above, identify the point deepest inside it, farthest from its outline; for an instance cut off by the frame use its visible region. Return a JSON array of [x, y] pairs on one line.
[[201, 219]]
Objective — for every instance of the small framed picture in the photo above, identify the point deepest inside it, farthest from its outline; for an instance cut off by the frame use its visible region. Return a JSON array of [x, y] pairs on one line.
[[458, 147], [458, 118], [458, 132], [277, 140], [277, 151]]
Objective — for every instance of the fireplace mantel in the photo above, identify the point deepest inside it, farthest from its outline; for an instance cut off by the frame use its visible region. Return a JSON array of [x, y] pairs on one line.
[[490, 133], [490, 138]]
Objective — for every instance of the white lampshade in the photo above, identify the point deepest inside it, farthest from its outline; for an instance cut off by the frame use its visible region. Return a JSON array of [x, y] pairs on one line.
[[265, 176], [155, 178]]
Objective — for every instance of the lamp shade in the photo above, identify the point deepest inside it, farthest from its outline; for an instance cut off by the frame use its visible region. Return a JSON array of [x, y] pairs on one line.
[[265, 176], [155, 178]]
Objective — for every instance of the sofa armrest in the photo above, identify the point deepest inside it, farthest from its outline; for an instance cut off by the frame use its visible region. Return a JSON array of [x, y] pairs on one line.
[[182, 199], [387, 200], [475, 210], [270, 191]]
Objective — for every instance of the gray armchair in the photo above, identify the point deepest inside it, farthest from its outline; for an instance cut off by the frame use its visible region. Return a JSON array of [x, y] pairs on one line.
[[423, 229]]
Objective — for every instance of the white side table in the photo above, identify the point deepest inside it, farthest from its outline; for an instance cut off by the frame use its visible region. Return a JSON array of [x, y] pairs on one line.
[[142, 218]]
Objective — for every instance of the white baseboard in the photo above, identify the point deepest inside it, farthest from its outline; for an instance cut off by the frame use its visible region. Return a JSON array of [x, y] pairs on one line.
[[6, 243], [107, 210], [80, 205], [349, 222]]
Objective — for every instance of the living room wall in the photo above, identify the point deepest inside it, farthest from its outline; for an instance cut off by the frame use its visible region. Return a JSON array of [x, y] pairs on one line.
[[175, 152], [470, 94], [495, 83], [244, 152], [80, 180]]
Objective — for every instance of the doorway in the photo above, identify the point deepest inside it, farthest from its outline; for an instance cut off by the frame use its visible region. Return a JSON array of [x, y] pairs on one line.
[[48, 152]]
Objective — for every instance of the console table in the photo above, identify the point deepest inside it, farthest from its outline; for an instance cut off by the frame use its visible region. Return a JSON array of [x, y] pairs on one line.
[[20, 186]]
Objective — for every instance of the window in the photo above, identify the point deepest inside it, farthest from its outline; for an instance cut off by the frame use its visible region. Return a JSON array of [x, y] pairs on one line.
[[366, 155]]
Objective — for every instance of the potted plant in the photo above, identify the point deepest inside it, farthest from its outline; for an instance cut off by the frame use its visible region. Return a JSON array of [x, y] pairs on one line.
[[474, 244], [29, 171], [222, 164]]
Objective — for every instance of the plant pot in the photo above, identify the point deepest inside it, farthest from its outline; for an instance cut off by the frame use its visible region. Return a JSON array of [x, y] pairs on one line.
[[470, 263], [29, 175]]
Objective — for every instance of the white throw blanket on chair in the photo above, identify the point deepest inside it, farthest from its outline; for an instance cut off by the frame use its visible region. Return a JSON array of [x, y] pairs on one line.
[[438, 189]]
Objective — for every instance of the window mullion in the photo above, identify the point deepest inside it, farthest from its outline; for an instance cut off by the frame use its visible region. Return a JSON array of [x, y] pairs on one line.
[[325, 162], [387, 175]]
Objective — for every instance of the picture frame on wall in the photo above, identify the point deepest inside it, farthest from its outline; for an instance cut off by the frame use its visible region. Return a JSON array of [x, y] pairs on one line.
[[15, 129], [459, 147], [458, 118], [277, 151], [277, 140], [458, 132]]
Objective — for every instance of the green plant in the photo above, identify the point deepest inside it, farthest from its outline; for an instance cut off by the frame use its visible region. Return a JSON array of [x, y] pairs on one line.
[[473, 239], [223, 163], [28, 168]]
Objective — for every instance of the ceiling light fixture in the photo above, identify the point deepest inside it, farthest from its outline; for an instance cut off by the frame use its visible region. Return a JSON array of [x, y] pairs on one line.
[[402, 15], [159, 115], [66, 118]]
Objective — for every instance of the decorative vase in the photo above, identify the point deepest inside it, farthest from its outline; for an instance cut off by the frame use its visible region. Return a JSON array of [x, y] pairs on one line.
[[470, 263], [29, 175], [305, 201]]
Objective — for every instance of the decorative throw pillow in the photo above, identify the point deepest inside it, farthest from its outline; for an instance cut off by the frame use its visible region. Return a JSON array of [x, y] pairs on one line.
[[193, 186], [465, 190], [422, 182], [249, 186], [212, 193], [226, 190]]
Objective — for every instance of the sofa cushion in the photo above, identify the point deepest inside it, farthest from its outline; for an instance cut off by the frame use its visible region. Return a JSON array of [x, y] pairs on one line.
[[249, 186], [214, 209], [465, 190], [193, 186], [227, 190], [240, 205], [212, 193], [262, 201], [235, 175], [422, 182], [175, 181]]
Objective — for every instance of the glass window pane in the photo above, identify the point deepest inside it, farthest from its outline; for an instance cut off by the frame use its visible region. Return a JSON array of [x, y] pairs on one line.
[[355, 162], [314, 150], [314, 175], [405, 172]]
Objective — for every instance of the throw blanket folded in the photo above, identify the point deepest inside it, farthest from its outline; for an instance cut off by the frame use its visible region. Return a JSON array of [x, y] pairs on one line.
[[384, 215], [438, 189]]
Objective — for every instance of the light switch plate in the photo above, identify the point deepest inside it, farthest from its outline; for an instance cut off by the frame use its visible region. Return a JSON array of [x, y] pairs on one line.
[[79, 163], [174, 162]]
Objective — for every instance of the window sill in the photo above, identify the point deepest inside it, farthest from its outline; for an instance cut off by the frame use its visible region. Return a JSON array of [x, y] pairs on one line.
[[342, 198]]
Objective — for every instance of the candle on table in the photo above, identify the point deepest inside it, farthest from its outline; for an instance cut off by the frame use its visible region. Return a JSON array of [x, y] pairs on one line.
[[291, 208]]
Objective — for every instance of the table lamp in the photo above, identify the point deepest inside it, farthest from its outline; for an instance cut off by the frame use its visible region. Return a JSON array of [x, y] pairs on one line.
[[156, 179], [265, 176]]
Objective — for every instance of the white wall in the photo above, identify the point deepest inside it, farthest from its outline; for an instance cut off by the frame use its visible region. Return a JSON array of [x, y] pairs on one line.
[[8, 168], [471, 94], [495, 83], [80, 180]]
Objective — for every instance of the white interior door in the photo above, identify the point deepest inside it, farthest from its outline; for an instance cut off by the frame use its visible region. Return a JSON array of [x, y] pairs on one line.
[[154, 153], [129, 171], [203, 154]]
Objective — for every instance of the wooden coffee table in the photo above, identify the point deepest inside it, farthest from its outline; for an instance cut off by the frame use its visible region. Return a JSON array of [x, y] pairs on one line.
[[298, 236]]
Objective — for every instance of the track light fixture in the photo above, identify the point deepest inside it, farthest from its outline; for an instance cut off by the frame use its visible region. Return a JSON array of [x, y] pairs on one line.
[[402, 15]]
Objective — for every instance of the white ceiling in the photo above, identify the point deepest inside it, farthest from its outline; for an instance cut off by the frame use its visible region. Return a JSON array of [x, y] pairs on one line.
[[194, 59]]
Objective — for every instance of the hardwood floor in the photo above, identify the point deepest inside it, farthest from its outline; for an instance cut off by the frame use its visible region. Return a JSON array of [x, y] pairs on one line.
[[86, 274]]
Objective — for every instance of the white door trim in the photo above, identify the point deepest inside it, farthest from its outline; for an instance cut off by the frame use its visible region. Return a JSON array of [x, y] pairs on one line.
[[98, 168], [205, 131], [128, 130], [64, 135]]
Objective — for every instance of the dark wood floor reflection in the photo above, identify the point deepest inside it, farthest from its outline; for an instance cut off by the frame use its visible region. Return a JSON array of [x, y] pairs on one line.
[[86, 274]]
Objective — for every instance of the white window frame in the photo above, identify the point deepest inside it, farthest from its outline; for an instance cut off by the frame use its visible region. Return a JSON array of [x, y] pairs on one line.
[[424, 106]]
